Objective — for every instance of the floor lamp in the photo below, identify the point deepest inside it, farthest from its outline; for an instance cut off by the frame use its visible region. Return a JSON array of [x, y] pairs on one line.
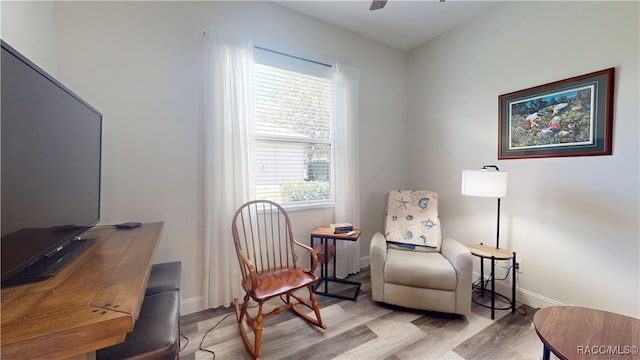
[[487, 182]]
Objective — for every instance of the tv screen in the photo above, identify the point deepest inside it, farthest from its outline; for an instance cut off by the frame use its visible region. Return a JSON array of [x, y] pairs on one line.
[[51, 158]]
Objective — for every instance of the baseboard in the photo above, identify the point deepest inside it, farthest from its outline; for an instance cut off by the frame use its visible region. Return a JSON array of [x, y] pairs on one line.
[[523, 296], [364, 262], [191, 305]]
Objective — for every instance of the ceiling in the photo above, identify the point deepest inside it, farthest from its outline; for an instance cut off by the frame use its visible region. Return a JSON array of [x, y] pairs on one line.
[[402, 24]]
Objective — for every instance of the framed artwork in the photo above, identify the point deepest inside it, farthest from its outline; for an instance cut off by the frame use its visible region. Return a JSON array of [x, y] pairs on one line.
[[571, 117]]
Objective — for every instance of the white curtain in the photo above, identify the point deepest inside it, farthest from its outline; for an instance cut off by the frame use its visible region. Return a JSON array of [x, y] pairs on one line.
[[228, 146], [346, 83]]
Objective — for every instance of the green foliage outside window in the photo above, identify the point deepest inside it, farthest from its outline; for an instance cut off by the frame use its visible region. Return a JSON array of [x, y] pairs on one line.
[[305, 191]]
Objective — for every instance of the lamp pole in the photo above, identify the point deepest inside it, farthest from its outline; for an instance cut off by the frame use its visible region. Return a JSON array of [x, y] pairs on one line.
[[498, 226]]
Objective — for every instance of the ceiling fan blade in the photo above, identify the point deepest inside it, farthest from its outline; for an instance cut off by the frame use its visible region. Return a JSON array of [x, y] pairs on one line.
[[377, 4]]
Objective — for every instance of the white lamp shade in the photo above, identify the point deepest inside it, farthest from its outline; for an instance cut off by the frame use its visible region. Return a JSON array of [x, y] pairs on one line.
[[484, 183]]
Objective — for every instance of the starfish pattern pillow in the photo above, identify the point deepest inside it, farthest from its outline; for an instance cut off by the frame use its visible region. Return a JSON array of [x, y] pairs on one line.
[[412, 219]]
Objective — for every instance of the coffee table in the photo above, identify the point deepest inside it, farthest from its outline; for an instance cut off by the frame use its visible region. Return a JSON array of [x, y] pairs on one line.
[[581, 333]]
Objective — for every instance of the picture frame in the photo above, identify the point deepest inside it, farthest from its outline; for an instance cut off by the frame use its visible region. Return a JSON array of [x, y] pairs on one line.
[[570, 117]]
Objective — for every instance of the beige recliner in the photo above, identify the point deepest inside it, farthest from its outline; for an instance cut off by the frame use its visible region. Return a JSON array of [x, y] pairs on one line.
[[411, 266]]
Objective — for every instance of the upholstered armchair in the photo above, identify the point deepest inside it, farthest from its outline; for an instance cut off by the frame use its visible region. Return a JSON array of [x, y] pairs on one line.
[[411, 265]]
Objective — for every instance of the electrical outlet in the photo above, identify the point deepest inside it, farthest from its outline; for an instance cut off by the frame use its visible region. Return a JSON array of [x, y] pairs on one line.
[[519, 266]]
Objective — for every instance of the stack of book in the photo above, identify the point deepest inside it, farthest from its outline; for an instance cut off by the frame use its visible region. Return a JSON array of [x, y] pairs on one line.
[[341, 228]]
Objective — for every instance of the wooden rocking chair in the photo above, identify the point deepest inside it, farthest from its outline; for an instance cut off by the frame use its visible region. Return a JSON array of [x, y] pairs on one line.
[[264, 243]]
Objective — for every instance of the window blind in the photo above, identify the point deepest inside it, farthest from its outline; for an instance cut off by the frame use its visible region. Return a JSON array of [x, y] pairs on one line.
[[293, 105]]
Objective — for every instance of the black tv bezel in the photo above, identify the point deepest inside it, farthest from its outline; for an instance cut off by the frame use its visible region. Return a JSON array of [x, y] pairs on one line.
[[61, 242]]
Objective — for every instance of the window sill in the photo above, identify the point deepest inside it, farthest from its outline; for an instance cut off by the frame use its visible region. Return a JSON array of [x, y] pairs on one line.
[[290, 207]]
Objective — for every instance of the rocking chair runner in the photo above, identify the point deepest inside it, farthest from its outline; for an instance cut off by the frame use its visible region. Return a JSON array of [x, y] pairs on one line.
[[264, 243]]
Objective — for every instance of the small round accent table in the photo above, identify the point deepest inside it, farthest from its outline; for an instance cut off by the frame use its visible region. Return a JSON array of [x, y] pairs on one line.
[[489, 252], [572, 332]]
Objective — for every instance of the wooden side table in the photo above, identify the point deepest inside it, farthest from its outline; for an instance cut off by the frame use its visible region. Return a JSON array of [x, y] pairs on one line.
[[580, 333], [328, 253], [489, 252]]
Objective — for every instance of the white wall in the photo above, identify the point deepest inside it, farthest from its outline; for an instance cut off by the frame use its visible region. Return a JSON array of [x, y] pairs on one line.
[[140, 64], [30, 27], [574, 221]]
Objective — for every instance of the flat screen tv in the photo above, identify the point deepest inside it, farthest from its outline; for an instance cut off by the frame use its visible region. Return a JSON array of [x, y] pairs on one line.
[[50, 179]]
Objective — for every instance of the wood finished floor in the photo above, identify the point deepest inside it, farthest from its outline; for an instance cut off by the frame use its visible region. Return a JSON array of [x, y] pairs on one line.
[[365, 329]]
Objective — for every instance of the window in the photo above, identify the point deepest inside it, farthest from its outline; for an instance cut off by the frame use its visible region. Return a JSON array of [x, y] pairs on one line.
[[293, 107]]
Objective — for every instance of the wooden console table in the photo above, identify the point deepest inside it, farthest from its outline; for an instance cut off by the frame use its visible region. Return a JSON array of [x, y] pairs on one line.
[[92, 303], [572, 332]]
